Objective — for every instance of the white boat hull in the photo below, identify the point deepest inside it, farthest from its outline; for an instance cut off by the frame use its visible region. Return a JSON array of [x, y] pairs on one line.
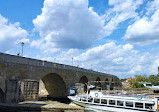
[[117, 103], [105, 108]]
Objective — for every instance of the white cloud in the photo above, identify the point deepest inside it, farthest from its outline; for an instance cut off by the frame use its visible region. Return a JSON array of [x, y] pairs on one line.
[[10, 34], [122, 10], [64, 57], [120, 60], [135, 69], [72, 24], [68, 24], [125, 5], [145, 30], [25, 40], [152, 6], [45, 47], [154, 66]]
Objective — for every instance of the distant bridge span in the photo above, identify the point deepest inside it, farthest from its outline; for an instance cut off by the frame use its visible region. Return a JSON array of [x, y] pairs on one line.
[[55, 79]]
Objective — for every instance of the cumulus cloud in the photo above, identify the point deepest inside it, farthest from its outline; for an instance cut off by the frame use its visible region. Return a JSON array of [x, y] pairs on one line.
[[145, 30], [68, 24], [11, 34], [64, 57], [73, 24], [120, 60]]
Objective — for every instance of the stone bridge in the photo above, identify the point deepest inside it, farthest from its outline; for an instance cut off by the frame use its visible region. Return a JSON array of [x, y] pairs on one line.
[[55, 79]]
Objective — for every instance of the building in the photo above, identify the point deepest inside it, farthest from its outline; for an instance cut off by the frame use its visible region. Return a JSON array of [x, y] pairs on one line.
[[126, 84]]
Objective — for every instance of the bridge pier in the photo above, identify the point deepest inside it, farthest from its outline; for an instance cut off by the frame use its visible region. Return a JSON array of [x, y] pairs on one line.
[[21, 90]]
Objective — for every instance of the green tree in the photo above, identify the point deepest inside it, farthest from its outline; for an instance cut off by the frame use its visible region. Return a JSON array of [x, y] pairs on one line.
[[141, 78], [137, 85], [121, 80], [154, 79]]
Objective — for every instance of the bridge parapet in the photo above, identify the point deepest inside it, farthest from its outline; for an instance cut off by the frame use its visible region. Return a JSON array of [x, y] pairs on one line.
[[35, 62]]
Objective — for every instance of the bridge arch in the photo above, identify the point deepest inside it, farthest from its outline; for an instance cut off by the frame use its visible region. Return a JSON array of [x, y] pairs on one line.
[[112, 84], [116, 82], [98, 83], [54, 84], [106, 81], [84, 80], [105, 84]]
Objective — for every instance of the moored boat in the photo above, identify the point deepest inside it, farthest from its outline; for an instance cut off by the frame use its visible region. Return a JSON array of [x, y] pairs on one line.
[[117, 101]]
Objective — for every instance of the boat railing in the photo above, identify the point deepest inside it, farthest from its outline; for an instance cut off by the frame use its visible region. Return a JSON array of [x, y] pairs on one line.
[[125, 94]]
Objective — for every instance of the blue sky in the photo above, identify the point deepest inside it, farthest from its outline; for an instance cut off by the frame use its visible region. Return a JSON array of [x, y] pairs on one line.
[[119, 37]]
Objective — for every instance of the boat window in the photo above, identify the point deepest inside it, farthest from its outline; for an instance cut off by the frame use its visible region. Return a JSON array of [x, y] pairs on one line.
[[96, 100], [148, 84], [84, 99], [138, 105], [120, 103], [90, 99], [148, 106], [129, 104], [112, 102], [103, 101]]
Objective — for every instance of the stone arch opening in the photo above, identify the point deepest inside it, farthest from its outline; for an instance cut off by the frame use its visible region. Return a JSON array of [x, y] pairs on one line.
[[84, 80], [98, 83], [53, 85], [112, 83], [106, 81], [116, 82], [105, 84]]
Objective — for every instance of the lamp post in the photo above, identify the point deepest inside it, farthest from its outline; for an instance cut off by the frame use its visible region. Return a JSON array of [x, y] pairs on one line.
[[54, 60], [22, 47]]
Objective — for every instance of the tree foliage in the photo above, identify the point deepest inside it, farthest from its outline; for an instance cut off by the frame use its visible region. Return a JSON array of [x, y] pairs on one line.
[[153, 79], [141, 78], [121, 80]]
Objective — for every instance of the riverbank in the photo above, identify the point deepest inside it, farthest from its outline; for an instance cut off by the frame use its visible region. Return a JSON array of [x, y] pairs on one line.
[[40, 106]]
